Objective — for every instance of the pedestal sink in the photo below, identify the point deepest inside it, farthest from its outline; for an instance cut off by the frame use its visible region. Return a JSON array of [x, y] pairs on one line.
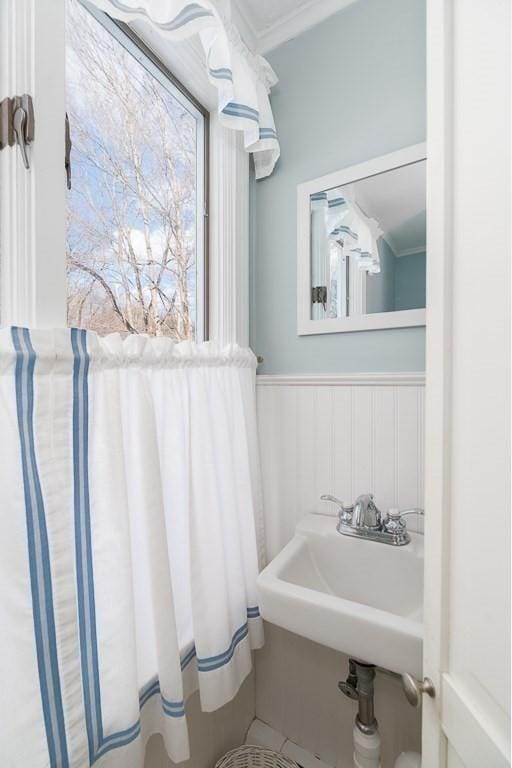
[[360, 597]]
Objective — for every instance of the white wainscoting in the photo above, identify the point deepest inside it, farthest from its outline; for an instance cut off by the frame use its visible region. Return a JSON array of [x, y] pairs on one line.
[[343, 434], [297, 694]]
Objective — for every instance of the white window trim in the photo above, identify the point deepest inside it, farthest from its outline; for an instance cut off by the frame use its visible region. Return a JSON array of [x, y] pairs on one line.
[[32, 236], [32, 231]]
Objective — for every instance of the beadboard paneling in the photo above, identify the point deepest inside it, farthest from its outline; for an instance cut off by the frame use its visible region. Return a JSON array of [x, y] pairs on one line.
[[343, 435], [297, 694]]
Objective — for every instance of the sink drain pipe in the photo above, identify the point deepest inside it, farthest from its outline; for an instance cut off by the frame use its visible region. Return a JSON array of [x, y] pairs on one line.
[[359, 686]]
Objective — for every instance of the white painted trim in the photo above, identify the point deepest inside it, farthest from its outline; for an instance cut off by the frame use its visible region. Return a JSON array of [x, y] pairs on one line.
[[477, 738], [240, 19], [467, 716], [229, 194], [411, 251], [438, 372], [372, 167], [375, 321], [229, 236], [342, 380], [186, 61], [289, 25], [32, 203]]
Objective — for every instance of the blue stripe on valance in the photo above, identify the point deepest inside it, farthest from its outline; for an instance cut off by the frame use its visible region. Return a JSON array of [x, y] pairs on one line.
[[189, 13], [222, 73], [268, 133], [241, 110]]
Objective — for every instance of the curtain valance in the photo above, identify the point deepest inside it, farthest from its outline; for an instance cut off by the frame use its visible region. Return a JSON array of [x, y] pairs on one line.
[[348, 224], [243, 80], [128, 555]]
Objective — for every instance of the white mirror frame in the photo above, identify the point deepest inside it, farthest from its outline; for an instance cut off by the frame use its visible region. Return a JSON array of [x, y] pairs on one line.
[[377, 320]]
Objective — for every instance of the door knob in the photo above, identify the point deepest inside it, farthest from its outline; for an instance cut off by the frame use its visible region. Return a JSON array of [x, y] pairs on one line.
[[413, 689]]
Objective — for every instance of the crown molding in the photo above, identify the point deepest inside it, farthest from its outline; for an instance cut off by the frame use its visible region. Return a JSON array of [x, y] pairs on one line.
[[342, 380], [243, 23], [287, 27], [411, 251]]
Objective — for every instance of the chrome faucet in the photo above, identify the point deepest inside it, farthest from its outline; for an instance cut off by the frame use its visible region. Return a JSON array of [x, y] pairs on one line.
[[364, 520], [366, 515]]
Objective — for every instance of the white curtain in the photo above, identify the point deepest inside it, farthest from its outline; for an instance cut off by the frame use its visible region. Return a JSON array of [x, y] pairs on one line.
[[128, 556], [243, 80]]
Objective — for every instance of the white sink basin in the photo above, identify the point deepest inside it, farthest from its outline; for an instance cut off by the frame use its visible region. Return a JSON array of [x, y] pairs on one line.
[[360, 597]]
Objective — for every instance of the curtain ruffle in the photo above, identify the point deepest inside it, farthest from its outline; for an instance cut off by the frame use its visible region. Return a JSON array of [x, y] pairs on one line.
[[243, 80], [116, 350]]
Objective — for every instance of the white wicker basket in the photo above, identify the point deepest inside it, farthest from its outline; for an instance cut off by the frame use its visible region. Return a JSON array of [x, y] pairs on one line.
[[254, 757]]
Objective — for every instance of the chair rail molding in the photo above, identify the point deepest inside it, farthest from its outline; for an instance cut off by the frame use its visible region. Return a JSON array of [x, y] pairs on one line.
[[342, 380]]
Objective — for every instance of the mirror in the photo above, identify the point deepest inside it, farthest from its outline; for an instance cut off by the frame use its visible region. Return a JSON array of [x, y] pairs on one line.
[[365, 246]]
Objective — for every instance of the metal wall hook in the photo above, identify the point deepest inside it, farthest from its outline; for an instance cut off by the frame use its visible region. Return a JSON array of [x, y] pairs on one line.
[[17, 124], [67, 156]]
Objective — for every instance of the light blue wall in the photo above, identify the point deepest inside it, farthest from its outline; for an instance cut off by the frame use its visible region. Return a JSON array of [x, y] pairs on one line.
[[410, 281], [350, 89], [380, 288]]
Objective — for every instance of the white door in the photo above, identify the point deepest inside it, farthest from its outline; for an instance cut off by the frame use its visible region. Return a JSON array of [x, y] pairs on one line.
[[467, 537]]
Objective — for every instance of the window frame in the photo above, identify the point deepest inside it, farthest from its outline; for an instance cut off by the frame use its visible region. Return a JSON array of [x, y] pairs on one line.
[[142, 53], [33, 203]]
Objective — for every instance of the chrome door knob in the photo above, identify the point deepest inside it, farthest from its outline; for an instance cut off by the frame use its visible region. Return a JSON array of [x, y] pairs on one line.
[[413, 689]]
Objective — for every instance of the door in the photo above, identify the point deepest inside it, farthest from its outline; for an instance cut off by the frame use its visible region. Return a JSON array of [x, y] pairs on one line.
[[467, 536]]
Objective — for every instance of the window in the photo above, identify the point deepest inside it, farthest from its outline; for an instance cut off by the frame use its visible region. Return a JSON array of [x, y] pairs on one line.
[[136, 240]]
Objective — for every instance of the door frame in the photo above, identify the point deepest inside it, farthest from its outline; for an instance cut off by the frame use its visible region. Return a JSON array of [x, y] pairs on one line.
[[456, 730], [438, 370]]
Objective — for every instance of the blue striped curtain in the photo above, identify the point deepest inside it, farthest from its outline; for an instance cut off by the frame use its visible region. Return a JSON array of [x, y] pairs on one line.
[[128, 560]]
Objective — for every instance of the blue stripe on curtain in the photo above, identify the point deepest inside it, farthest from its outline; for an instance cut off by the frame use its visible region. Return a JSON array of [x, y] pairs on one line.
[[268, 133], [222, 73], [40, 573], [190, 13], [99, 744], [241, 110], [83, 544], [208, 663], [39, 554], [120, 739]]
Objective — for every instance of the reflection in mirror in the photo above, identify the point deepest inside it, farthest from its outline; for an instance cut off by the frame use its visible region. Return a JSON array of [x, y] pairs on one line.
[[368, 245]]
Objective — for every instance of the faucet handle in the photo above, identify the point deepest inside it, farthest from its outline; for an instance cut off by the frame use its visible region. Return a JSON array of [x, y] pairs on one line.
[[394, 523], [345, 510]]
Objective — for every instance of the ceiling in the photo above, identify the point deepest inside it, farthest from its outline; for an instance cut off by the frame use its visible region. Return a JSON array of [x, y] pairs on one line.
[[396, 199], [265, 24]]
